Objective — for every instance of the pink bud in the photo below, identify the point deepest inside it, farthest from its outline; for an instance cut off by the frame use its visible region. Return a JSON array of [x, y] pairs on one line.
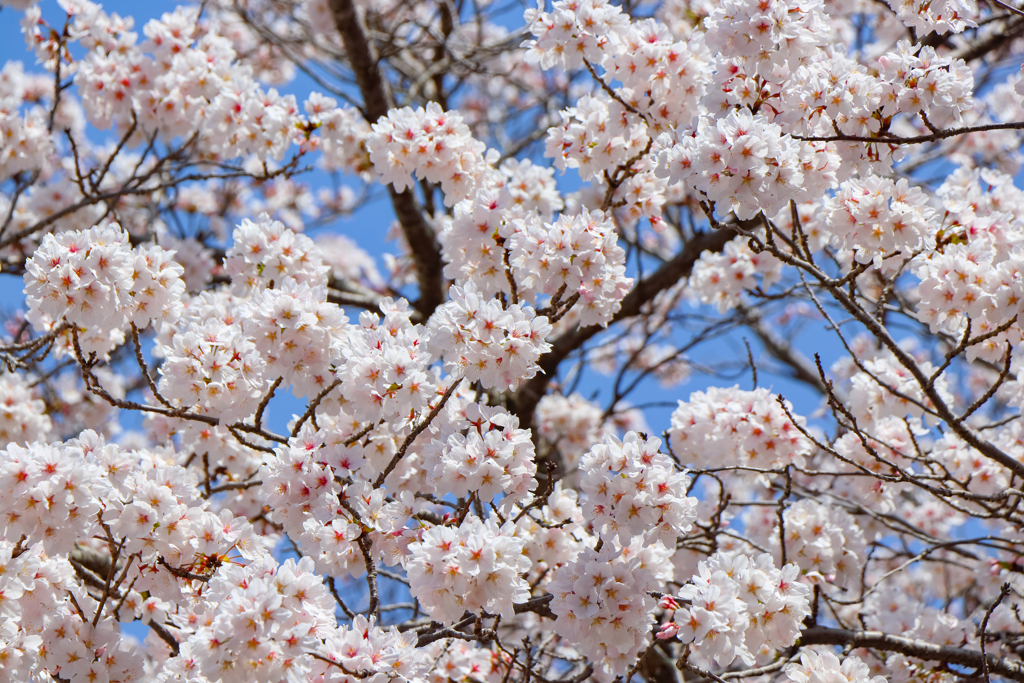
[[668, 630]]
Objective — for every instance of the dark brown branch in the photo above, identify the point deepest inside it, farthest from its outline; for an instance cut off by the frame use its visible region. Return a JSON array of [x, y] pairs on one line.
[[820, 635], [371, 576], [311, 409], [145, 370], [423, 246], [997, 40], [1003, 592], [538, 606], [235, 486], [671, 272], [329, 582], [781, 350], [183, 573], [423, 424], [165, 636], [261, 408], [917, 139], [442, 633]]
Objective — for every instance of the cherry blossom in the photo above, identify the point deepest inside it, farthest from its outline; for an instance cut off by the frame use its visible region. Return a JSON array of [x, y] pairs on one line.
[[741, 427], [631, 490], [345, 333], [473, 566]]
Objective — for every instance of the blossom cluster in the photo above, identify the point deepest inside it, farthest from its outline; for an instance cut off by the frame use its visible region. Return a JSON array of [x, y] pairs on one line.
[[555, 536], [665, 77], [459, 658], [82, 277], [575, 256], [529, 187], [277, 323], [965, 463], [722, 427], [975, 273], [224, 452], [264, 620], [82, 651], [833, 90], [348, 261], [160, 513], [631, 490], [94, 281], [573, 32], [602, 604], [476, 565], [182, 81], [815, 667], [924, 82], [483, 341], [768, 32], [598, 133], [738, 606], [212, 366], [824, 541], [32, 583], [26, 142], [472, 242], [881, 220], [749, 164], [891, 609], [300, 485], [493, 457], [298, 333], [265, 252], [385, 373], [838, 93], [23, 418], [944, 16], [49, 201], [366, 647], [965, 281], [760, 48], [721, 278], [297, 483], [343, 134], [432, 143], [571, 423], [983, 203], [51, 496], [661, 76], [240, 119], [157, 287], [55, 498]]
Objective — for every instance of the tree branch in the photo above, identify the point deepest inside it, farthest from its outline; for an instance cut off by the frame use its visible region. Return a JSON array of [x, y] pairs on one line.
[[423, 246], [820, 635], [671, 272], [780, 349]]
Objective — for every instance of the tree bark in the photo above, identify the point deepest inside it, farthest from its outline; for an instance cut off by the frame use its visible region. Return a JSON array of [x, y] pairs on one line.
[[423, 245], [680, 266], [820, 635]]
